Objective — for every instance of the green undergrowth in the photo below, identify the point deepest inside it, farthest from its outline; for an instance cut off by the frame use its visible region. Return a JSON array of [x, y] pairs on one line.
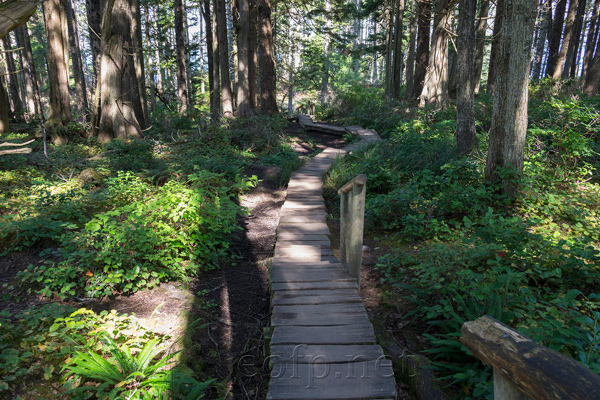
[[463, 251], [104, 220]]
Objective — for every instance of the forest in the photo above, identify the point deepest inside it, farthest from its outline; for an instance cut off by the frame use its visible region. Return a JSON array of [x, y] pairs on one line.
[[145, 149]]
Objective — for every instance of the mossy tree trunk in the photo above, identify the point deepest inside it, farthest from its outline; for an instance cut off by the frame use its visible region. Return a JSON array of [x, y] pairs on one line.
[[268, 102]]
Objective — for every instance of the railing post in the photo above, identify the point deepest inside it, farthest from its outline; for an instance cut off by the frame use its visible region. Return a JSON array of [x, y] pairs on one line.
[[352, 209]]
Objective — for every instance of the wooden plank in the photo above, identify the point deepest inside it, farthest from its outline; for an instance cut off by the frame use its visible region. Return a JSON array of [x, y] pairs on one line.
[[324, 353], [277, 286], [298, 218], [361, 380], [321, 309], [299, 299], [319, 228], [306, 243], [290, 236], [292, 275], [356, 334], [300, 319], [314, 293]]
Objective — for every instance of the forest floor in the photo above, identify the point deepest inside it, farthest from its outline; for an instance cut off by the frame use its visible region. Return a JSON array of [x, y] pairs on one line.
[[218, 319]]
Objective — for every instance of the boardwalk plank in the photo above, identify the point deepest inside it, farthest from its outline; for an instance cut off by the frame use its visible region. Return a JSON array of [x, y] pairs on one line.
[[294, 275], [299, 299], [357, 334], [318, 320], [277, 286], [324, 354]]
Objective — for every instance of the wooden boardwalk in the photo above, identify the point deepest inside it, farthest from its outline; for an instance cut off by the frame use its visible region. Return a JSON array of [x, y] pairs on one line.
[[322, 345]]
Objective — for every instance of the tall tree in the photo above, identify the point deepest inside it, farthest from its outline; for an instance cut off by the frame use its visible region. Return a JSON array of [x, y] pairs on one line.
[[151, 64], [555, 36], [117, 83], [32, 94], [141, 106], [58, 70], [592, 36], [94, 19], [466, 137], [545, 16], [226, 92], [410, 60], [268, 102], [78, 76], [252, 54], [435, 85], [216, 64], [484, 10], [325, 89], [592, 78], [571, 61], [182, 91], [243, 33], [4, 106], [497, 35], [422, 56], [398, 59], [214, 105], [567, 37], [509, 115], [11, 76]]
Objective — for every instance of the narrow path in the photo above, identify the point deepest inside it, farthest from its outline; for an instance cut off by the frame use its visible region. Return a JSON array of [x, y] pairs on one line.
[[323, 345]]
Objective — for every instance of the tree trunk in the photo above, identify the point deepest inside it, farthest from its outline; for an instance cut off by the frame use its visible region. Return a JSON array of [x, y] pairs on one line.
[[182, 91], [590, 43], [497, 35], [398, 59], [214, 108], [545, 14], [243, 88], [268, 101], [151, 64], [480, 42], [325, 89], [159, 69], [78, 76], [139, 84], [435, 85], [13, 83], [252, 54], [509, 115], [592, 77], [216, 63], [4, 118], [466, 137], [567, 36], [410, 61], [388, 13], [571, 61], [58, 70], [118, 84], [94, 19], [555, 37], [422, 56], [226, 92], [34, 104]]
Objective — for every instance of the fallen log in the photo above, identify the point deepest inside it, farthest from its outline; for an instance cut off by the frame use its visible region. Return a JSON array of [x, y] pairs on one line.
[[14, 13]]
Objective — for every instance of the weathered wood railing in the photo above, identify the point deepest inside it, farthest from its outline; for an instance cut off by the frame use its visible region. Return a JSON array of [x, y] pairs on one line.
[[524, 369], [352, 207]]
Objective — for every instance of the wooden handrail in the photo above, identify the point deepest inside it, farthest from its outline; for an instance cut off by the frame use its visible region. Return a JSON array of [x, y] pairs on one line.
[[352, 208], [525, 369]]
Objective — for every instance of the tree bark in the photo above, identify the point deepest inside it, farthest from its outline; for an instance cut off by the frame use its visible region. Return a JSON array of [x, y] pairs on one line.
[[509, 115], [58, 70], [243, 88], [226, 92], [480, 42], [466, 137], [216, 63], [78, 76], [214, 107], [141, 106], [34, 105], [435, 85], [94, 17], [410, 61], [497, 35], [567, 37], [252, 54], [151, 64], [182, 91], [592, 77], [388, 15], [4, 106], [16, 104], [571, 61], [422, 56], [590, 43], [555, 37], [118, 84], [268, 102]]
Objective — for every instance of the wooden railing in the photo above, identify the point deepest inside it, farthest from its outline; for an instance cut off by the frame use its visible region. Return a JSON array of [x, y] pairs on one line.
[[352, 207], [524, 369]]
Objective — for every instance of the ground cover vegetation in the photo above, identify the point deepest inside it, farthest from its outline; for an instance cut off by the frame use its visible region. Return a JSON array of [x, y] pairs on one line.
[[460, 250], [110, 220]]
